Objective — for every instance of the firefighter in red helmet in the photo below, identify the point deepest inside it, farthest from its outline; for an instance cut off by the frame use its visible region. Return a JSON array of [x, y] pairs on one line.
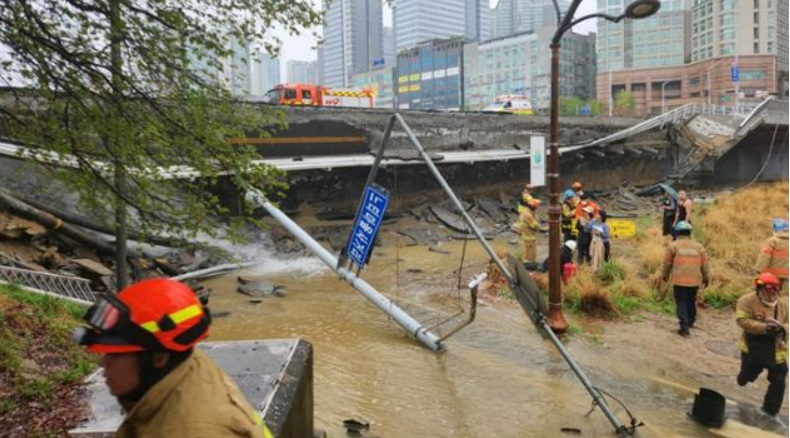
[[763, 316], [146, 335]]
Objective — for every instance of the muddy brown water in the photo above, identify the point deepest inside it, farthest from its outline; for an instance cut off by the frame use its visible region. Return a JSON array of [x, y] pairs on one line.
[[497, 378]]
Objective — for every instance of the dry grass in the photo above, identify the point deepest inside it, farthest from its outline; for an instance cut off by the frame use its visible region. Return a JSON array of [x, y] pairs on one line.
[[633, 287], [651, 250], [733, 230]]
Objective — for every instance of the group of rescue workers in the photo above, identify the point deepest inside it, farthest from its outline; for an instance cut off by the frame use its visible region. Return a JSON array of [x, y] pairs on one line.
[[147, 333], [583, 226], [762, 315]]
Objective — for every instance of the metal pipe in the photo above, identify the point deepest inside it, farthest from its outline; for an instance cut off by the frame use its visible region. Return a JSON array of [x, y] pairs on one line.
[[438, 176], [407, 322], [556, 318]]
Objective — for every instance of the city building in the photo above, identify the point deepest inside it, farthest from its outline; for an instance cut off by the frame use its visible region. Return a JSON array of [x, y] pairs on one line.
[[719, 52], [512, 17], [416, 21], [353, 39], [298, 72], [265, 74], [238, 70], [379, 80], [521, 64], [478, 20], [428, 75]]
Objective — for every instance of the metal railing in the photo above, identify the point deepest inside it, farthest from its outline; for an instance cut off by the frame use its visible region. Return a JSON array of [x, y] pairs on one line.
[[71, 288]]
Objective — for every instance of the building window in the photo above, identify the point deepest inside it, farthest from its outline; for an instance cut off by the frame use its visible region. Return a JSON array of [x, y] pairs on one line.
[[756, 48]]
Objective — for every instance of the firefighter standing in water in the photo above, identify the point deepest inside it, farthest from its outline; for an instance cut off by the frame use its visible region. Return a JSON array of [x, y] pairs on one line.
[[763, 316], [146, 335], [528, 228], [773, 254]]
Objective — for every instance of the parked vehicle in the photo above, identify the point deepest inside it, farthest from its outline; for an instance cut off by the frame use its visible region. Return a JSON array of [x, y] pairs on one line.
[[510, 104], [317, 95]]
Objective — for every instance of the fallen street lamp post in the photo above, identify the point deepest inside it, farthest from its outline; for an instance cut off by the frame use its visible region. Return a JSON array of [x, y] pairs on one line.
[[635, 10]]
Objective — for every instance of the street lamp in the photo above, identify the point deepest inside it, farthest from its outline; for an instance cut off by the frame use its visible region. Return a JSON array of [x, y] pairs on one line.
[[635, 10], [663, 99]]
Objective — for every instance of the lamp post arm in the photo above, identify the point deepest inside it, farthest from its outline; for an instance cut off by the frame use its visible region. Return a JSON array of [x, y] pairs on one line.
[[566, 20], [606, 17], [557, 12]]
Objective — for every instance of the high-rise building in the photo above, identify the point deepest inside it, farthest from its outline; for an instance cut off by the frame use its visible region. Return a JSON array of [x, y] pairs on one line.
[[521, 64], [727, 28], [417, 21], [390, 55], [478, 20], [353, 39], [298, 72], [510, 17], [265, 73], [730, 53], [238, 71], [662, 40]]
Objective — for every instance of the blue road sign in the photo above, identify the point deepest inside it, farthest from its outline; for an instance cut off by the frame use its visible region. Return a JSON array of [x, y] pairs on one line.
[[735, 73], [585, 110], [378, 63], [369, 217]]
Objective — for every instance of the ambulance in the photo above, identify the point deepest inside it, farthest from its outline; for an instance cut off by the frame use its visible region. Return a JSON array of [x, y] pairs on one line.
[[510, 104]]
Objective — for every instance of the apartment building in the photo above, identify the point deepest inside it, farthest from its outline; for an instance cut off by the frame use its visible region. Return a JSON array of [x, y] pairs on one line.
[[730, 53]]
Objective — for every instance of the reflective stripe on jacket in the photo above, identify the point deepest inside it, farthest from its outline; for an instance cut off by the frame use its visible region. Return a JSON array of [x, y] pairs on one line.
[[773, 255], [687, 260], [195, 400], [750, 314]]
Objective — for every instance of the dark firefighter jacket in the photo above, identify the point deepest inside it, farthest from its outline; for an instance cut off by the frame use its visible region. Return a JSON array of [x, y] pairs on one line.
[[751, 314], [195, 400]]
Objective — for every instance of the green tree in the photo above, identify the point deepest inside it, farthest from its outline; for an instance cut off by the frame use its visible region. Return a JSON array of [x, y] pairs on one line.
[[570, 106], [624, 103], [127, 88]]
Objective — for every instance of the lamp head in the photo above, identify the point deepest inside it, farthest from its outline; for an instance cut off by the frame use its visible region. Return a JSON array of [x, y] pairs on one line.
[[642, 9]]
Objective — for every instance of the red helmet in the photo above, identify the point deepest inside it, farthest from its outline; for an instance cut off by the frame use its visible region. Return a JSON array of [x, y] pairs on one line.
[[767, 279], [155, 314]]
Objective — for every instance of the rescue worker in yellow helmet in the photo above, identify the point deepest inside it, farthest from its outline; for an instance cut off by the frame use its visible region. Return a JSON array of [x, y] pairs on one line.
[[526, 198], [528, 228], [146, 335], [773, 254], [763, 316]]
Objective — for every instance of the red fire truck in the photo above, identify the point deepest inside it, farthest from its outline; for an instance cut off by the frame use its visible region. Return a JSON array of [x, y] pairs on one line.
[[317, 95]]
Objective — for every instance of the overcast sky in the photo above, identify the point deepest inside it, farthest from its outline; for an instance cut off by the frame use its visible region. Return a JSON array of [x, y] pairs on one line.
[[300, 48]]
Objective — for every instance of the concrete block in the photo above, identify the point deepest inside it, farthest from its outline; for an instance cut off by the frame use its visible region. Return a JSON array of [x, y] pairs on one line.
[[276, 376]]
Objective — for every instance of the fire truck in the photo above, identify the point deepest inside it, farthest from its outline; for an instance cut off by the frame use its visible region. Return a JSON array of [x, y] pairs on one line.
[[317, 95]]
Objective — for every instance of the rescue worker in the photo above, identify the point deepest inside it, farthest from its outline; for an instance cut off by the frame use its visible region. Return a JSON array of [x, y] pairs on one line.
[[584, 236], [577, 188], [763, 317], [146, 335], [687, 261], [773, 255], [567, 223], [526, 197], [669, 208], [528, 228]]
